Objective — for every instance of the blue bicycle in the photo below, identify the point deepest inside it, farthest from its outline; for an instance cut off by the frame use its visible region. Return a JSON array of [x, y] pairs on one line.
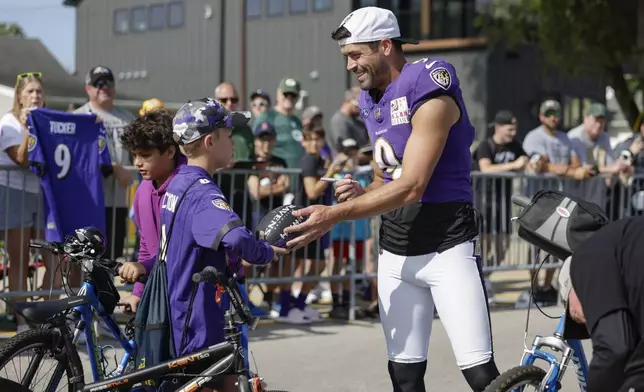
[[563, 351], [64, 321]]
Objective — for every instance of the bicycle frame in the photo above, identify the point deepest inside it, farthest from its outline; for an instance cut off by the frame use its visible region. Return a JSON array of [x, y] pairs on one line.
[[227, 352], [93, 349], [571, 349]]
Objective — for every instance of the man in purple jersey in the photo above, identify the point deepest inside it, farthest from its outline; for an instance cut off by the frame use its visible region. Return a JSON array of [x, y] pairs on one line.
[[206, 230], [429, 252]]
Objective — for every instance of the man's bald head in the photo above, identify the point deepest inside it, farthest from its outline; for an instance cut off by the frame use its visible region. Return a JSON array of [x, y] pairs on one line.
[[227, 95]]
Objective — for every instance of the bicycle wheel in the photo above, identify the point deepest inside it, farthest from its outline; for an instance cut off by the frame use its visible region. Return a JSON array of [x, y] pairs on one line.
[[22, 355], [517, 378]]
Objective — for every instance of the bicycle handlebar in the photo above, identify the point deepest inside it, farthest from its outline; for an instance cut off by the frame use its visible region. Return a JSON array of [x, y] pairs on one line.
[[521, 201], [58, 248], [229, 283]]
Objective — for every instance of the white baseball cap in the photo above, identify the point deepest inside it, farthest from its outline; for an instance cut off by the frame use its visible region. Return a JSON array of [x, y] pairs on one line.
[[369, 24]]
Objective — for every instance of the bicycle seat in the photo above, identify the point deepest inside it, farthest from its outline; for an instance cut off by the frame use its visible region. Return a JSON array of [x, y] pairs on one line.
[[41, 312]]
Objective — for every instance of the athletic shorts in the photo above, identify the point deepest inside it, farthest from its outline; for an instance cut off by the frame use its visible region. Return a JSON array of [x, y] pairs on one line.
[[341, 249]]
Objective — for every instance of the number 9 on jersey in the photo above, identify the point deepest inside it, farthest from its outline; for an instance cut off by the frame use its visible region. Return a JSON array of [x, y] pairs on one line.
[[63, 159]]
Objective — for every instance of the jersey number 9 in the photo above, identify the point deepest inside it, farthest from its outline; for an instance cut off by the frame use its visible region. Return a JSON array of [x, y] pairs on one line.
[[63, 159], [385, 157]]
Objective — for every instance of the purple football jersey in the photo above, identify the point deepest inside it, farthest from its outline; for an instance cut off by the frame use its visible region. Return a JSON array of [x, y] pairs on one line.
[[206, 232], [389, 124], [68, 150]]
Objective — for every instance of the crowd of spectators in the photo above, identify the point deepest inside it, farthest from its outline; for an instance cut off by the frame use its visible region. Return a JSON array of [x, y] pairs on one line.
[[281, 156]]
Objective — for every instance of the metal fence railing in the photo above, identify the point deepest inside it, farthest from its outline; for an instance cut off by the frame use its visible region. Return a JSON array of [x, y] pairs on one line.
[[353, 244]]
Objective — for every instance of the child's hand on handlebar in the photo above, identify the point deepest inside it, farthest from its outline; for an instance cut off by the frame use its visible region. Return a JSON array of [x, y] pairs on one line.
[[130, 303], [131, 271]]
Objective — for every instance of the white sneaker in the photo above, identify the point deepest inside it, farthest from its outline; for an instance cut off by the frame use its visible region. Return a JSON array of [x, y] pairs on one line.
[[295, 316], [312, 314]]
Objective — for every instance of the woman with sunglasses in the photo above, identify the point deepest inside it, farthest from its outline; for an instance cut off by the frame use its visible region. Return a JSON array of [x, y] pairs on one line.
[[19, 189]]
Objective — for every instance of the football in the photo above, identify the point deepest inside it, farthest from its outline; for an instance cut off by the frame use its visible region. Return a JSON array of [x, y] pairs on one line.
[[271, 227]]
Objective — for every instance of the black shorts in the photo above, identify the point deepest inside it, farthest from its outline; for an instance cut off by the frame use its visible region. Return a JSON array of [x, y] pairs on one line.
[[314, 250]]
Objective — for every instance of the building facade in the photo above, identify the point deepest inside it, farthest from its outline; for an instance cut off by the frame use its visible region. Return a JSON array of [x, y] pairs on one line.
[[181, 49]]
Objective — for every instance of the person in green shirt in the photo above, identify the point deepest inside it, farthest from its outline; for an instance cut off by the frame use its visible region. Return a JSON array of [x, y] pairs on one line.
[[288, 126], [243, 137]]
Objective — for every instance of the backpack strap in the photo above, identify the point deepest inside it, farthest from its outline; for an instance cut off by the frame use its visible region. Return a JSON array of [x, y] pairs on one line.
[[163, 246]]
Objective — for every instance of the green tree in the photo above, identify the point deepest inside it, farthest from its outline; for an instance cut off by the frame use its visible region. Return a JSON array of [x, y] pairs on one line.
[[595, 37], [11, 29]]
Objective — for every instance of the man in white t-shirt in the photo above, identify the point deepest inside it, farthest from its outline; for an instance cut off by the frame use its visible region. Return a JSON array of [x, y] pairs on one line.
[[100, 88]]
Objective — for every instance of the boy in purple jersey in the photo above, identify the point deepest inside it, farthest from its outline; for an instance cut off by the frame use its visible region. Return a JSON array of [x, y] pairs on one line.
[[156, 155], [429, 253], [206, 231]]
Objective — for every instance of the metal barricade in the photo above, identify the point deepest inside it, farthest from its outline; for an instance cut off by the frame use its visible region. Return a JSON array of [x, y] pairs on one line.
[[501, 247]]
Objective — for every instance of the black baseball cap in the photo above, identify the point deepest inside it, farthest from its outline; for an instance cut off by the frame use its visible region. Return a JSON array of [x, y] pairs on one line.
[[99, 73], [264, 129], [260, 93], [504, 117]]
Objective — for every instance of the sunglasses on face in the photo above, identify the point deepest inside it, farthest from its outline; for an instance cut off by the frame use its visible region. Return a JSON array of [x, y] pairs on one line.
[[103, 83], [551, 113], [260, 104], [37, 75], [290, 95], [228, 99]]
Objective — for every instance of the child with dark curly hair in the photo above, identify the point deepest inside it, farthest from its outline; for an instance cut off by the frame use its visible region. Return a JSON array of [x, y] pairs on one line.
[[157, 157]]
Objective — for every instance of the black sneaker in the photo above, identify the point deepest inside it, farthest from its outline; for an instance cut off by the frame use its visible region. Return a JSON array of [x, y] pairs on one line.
[[339, 313]]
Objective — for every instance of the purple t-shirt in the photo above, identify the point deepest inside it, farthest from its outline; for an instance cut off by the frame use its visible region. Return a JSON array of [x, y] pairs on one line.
[[389, 124], [206, 232], [147, 204]]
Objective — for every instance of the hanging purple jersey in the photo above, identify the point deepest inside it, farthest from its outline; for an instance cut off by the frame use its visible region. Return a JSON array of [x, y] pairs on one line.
[[389, 124], [67, 151]]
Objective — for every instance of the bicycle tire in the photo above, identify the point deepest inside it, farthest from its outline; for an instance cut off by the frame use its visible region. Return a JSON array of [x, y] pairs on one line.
[[50, 339], [520, 375]]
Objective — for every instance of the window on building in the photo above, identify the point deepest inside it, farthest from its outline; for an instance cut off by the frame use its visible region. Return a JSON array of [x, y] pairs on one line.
[[322, 5], [408, 13], [253, 9], [453, 19], [573, 109], [156, 17], [175, 14], [275, 7], [139, 19], [298, 6], [121, 21]]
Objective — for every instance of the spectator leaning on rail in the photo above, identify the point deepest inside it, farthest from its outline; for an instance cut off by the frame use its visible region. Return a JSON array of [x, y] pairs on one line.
[[630, 151], [101, 91], [592, 143], [20, 201], [287, 125], [552, 153], [346, 123], [267, 191], [501, 153]]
